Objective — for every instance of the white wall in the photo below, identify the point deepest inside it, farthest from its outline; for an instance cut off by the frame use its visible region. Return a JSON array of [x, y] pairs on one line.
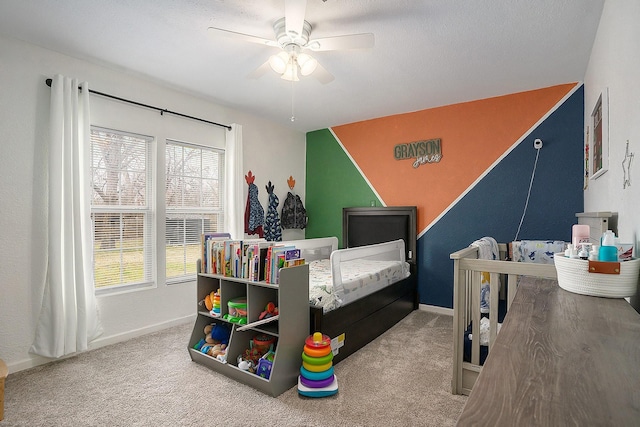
[[614, 64], [271, 152]]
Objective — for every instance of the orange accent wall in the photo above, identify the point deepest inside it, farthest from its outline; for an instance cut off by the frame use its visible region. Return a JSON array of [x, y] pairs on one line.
[[470, 144]]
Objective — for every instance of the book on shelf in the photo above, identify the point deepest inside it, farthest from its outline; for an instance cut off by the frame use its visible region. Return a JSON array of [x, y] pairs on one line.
[[272, 262], [251, 259], [212, 259], [262, 263], [236, 251], [294, 262], [219, 253], [281, 257], [292, 258], [267, 265], [233, 258], [226, 268], [207, 241], [292, 254]]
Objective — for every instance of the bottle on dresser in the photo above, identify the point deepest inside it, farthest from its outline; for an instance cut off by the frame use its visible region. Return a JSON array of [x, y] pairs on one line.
[[580, 234], [608, 249]]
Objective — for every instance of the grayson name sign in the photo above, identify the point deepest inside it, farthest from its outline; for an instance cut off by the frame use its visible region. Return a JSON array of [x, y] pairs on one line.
[[427, 151]]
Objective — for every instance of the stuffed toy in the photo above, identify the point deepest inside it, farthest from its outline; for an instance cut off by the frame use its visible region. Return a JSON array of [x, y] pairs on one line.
[[215, 341], [214, 350], [252, 355], [217, 334]]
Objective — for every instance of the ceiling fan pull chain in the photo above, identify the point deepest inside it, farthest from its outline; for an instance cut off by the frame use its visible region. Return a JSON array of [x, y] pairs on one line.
[[293, 117]]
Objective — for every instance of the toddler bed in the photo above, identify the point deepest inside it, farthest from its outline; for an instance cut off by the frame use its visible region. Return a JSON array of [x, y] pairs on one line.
[[476, 320], [359, 292]]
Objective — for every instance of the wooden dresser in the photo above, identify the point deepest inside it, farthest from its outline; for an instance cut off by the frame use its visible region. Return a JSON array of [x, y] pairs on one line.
[[560, 359]]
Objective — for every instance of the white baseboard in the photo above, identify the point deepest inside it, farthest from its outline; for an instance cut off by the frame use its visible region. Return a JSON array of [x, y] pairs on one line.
[[32, 362], [435, 309], [124, 336], [36, 360]]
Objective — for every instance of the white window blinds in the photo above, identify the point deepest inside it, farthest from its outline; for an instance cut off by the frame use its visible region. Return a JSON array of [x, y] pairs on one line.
[[121, 211], [194, 203]]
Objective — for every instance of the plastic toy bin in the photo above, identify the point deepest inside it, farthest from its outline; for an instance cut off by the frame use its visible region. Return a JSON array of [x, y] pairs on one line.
[[237, 310]]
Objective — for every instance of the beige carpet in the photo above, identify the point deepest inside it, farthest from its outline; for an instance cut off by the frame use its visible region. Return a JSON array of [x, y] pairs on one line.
[[403, 378]]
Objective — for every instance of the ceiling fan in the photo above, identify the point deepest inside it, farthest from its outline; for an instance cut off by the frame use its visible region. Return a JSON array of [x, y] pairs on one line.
[[292, 35]]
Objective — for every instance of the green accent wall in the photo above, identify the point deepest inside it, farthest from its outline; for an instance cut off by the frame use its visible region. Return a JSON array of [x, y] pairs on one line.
[[329, 169]]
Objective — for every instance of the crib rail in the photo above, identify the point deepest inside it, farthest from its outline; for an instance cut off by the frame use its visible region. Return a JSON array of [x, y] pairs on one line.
[[466, 304]]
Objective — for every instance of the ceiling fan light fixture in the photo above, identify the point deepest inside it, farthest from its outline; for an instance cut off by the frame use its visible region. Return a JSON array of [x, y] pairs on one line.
[[291, 72], [292, 35], [307, 63], [279, 62]]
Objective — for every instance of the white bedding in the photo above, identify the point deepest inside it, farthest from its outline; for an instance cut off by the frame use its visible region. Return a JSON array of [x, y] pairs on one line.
[[360, 277]]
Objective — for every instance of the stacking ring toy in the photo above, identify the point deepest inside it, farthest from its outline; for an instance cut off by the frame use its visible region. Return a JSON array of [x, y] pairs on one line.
[[316, 384], [316, 376], [318, 340], [317, 368], [317, 351], [317, 360]]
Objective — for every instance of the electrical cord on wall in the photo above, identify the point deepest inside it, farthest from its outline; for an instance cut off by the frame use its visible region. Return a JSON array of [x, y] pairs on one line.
[[537, 145]]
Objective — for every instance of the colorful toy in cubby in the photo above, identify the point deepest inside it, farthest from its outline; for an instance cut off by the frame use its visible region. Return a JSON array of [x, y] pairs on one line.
[[212, 303], [215, 341], [317, 378], [269, 311], [259, 346], [237, 311], [263, 343], [215, 303], [264, 365]]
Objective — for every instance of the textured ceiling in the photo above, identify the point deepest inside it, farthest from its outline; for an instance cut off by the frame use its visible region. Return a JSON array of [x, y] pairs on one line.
[[427, 53]]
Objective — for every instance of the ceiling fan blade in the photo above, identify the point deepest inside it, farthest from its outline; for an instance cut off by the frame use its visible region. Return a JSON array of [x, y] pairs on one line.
[[218, 32], [294, 11], [322, 75], [353, 41], [260, 71]]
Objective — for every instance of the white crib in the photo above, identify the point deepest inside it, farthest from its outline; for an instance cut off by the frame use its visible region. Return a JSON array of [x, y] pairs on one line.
[[466, 305]]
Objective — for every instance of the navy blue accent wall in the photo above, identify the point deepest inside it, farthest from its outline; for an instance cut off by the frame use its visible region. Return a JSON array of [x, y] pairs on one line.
[[495, 205]]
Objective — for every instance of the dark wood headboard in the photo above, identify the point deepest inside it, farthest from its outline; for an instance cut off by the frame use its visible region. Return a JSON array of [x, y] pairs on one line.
[[369, 225]]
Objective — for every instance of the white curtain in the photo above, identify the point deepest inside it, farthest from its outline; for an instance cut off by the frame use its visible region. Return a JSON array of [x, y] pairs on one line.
[[234, 176], [69, 317]]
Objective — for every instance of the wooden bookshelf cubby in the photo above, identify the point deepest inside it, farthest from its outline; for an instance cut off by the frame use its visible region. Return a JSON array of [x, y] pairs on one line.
[[291, 296]]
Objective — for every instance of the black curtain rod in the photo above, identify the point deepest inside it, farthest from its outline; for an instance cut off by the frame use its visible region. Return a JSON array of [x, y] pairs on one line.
[[139, 104]]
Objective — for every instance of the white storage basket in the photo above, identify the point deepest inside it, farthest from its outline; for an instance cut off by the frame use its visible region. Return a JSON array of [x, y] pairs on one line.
[[574, 276]]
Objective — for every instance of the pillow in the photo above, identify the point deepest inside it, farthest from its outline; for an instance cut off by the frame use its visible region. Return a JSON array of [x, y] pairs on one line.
[[536, 251]]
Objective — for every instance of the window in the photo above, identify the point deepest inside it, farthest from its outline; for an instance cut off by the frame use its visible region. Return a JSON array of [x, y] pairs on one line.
[[121, 208], [194, 204]]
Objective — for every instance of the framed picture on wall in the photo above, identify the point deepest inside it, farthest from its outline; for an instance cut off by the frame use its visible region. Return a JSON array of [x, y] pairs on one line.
[[599, 125], [587, 144]]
